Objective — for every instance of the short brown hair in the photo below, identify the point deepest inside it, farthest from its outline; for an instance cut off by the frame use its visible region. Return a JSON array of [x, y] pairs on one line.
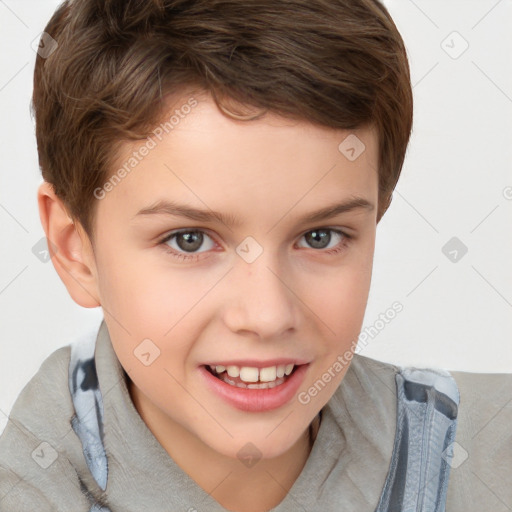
[[336, 63]]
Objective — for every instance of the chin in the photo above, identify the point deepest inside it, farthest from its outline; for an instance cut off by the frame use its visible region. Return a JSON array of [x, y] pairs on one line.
[[260, 445]]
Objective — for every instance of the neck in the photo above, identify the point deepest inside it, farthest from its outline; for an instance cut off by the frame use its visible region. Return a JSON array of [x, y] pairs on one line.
[[237, 488]]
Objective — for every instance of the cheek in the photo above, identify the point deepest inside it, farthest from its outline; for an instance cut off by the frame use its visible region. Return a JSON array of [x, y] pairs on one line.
[[151, 300], [339, 303], [340, 293], [141, 293]]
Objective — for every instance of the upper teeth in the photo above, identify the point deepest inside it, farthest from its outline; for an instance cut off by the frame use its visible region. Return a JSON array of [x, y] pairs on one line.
[[251, 374]]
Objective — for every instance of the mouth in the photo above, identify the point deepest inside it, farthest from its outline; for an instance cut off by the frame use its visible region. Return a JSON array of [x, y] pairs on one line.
[[250, 377], [252, 388]]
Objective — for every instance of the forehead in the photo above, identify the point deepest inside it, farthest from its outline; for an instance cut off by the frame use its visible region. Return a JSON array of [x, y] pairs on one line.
[[204, 158]]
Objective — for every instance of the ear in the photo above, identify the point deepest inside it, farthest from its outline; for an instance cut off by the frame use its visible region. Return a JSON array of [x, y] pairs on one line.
[[70, 248]]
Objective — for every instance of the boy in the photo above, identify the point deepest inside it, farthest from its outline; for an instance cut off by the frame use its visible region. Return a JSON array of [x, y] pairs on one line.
[[269, 137]]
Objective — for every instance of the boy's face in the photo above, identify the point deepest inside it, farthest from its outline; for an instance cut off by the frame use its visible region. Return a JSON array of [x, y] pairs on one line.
[[261, 291]]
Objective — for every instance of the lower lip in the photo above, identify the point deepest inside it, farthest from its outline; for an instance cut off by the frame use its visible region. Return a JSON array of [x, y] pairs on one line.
[[256, 400]]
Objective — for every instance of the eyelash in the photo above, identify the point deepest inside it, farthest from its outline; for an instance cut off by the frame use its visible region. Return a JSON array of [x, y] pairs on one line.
[[195, 256]]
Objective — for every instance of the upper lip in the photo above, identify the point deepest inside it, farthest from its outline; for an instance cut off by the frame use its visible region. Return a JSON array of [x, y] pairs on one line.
[[258, 364]]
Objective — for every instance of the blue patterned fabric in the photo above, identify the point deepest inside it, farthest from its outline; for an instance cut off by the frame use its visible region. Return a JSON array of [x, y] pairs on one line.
[[425, 432], [88, 404]]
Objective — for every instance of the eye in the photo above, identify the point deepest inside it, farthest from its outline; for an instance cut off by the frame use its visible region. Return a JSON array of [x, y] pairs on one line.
[[184, 244], [320, 238], [188, 240]]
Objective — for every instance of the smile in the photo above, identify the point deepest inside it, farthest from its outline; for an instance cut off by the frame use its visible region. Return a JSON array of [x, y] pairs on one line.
[[252, 377], [254, 389]]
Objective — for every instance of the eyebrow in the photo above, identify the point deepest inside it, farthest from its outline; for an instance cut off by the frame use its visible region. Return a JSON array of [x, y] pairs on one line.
[[165, 207]]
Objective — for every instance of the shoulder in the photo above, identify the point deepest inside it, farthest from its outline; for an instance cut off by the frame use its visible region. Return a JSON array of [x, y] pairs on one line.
[[483, 389], [46, 392], [36, 446], [482, 462], [485, 409], [481, 465]]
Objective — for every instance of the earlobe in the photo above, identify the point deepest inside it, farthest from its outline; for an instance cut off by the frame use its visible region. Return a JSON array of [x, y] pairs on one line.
[[70, 248]]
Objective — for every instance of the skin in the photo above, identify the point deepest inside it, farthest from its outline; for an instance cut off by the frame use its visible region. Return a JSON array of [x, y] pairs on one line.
[[294, 300]]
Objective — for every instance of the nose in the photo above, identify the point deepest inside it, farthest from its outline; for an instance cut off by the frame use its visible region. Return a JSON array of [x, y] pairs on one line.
[[260, 300]]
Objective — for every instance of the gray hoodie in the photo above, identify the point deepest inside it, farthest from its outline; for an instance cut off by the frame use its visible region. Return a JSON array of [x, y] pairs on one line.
[[44, 466]]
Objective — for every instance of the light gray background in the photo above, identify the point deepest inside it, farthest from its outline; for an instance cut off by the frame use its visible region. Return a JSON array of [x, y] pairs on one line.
[[456, 182]]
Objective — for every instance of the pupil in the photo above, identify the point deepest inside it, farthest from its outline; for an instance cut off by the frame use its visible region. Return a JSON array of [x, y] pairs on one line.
[[319, 237], [193, 240]]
